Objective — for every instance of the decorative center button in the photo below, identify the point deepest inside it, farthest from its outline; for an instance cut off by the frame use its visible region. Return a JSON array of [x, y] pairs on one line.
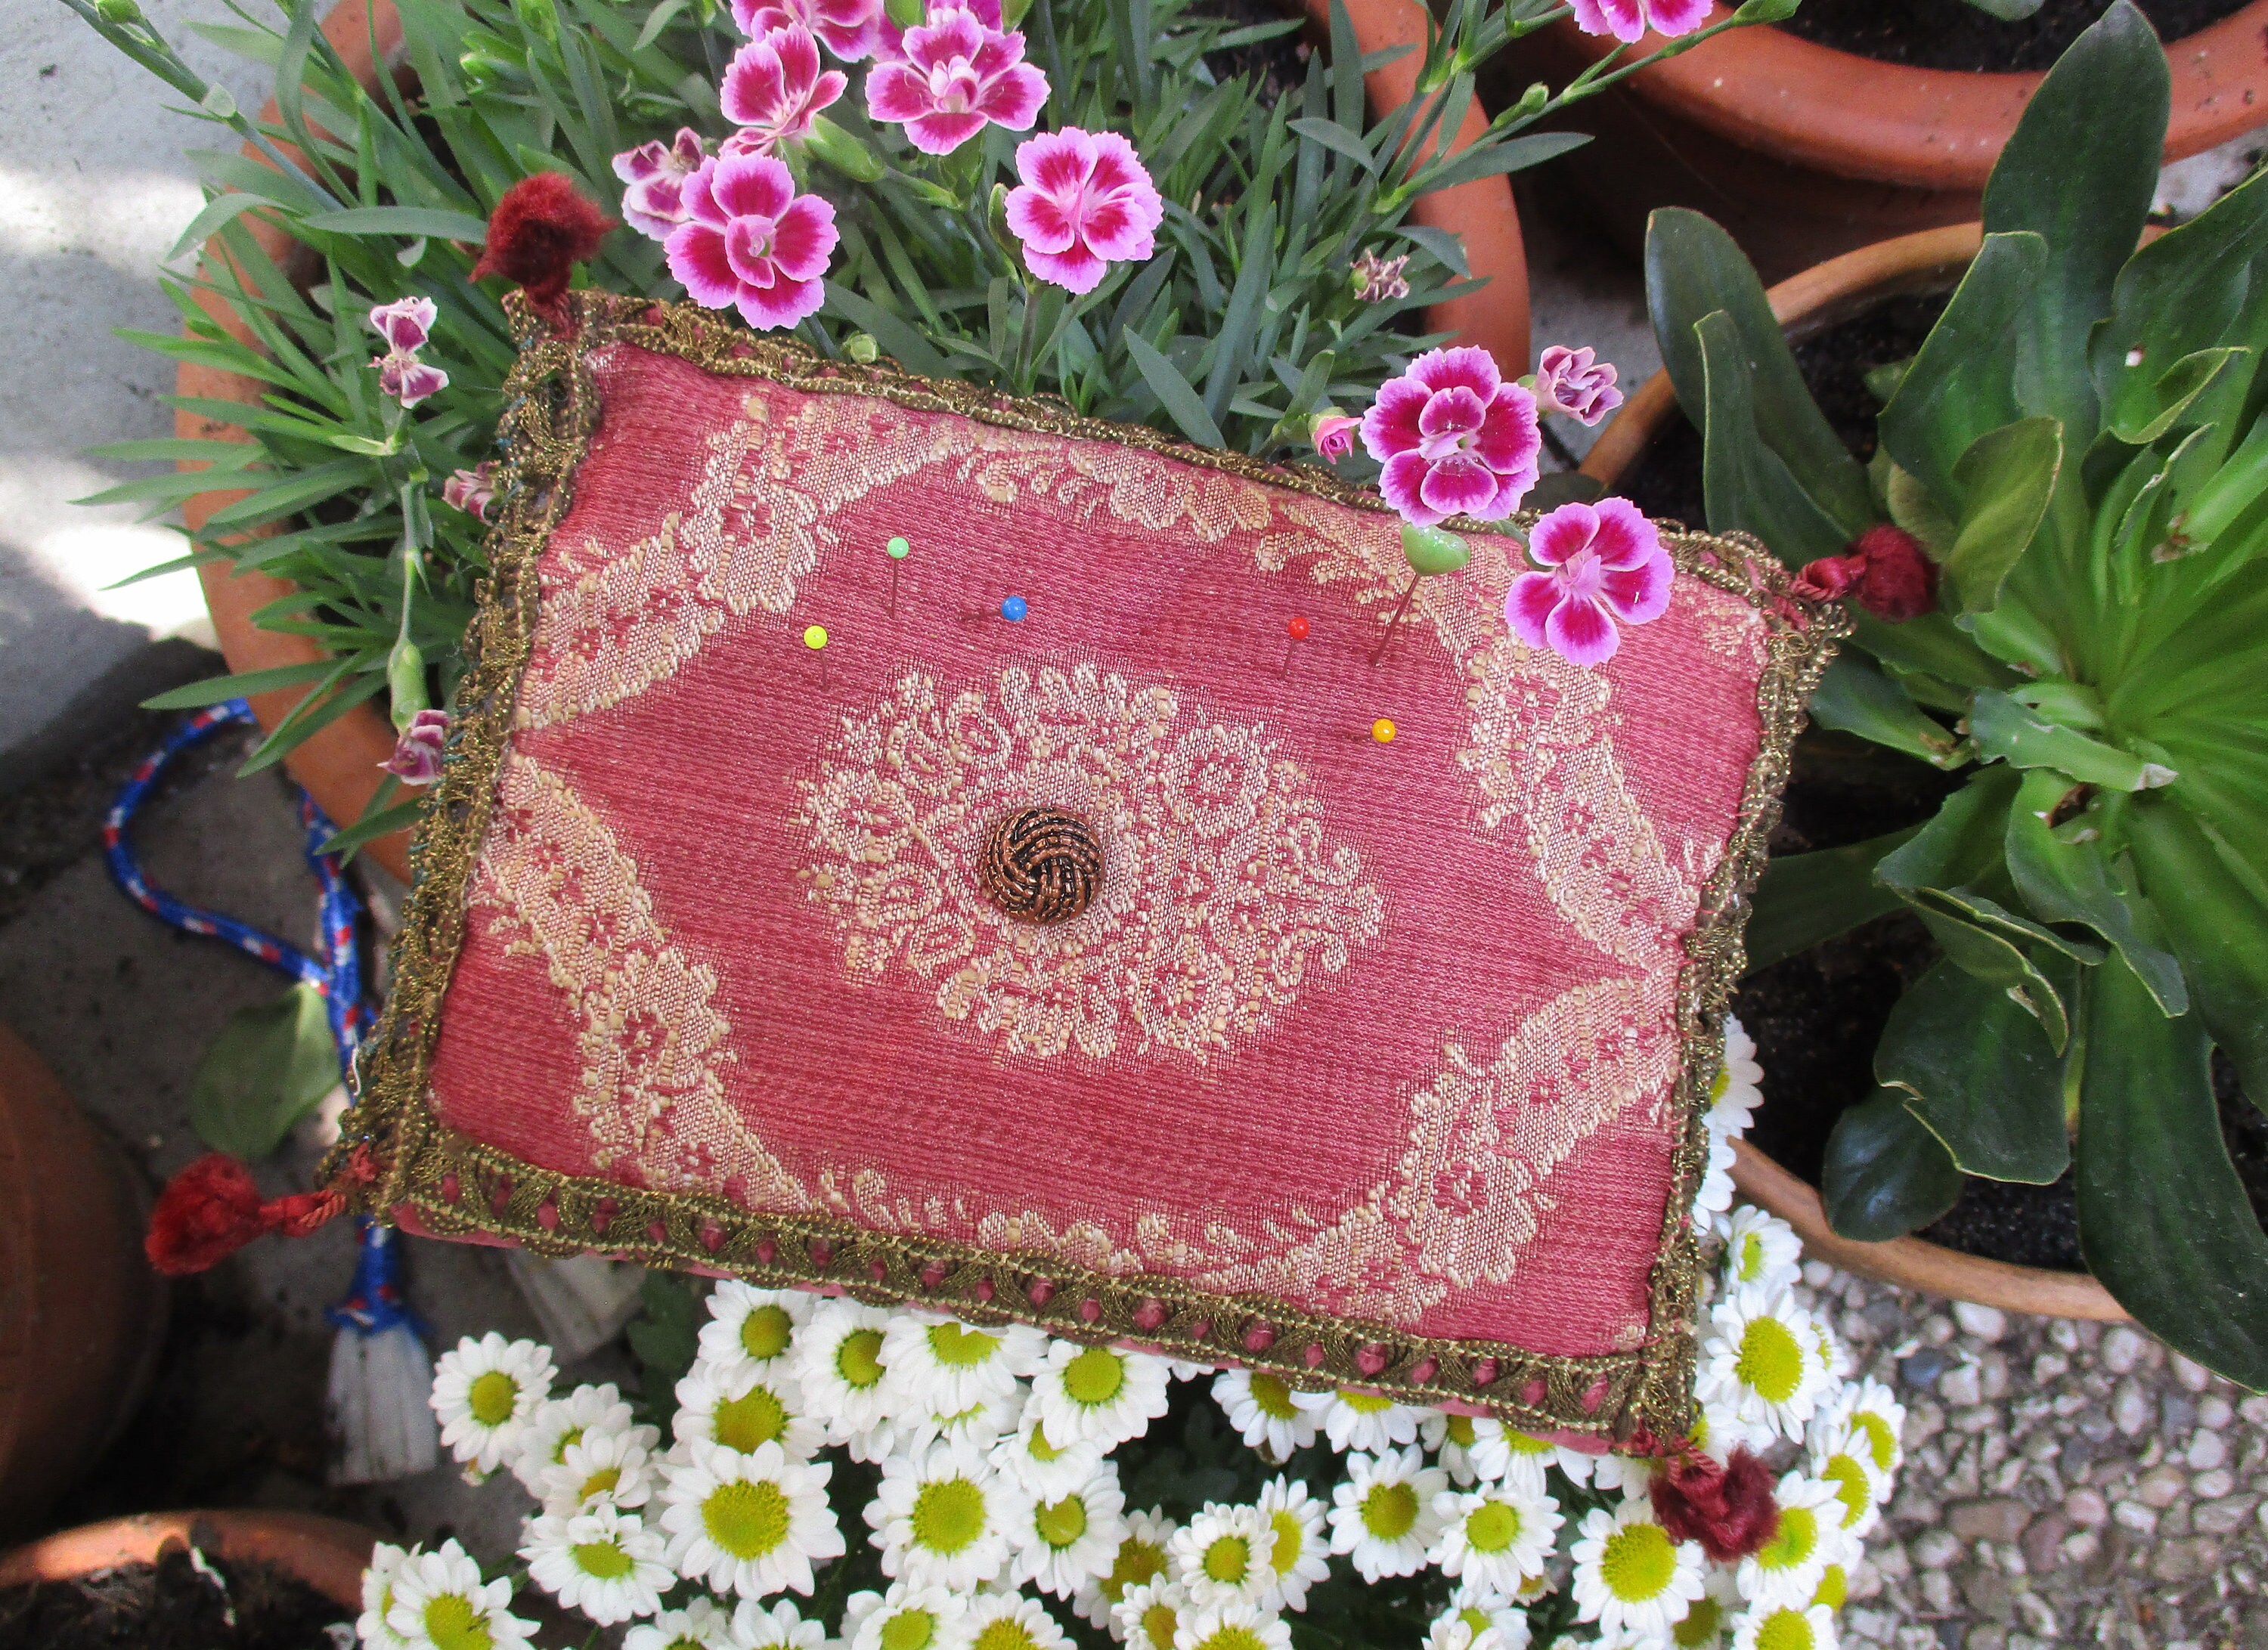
[[1043, 865]]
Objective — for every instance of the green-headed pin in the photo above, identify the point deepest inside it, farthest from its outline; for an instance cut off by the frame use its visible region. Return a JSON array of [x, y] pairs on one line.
[[897, 550], [1429, 552]]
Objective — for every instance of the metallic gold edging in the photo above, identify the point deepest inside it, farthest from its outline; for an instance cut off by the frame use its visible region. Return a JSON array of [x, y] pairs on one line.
[[454, 1185]]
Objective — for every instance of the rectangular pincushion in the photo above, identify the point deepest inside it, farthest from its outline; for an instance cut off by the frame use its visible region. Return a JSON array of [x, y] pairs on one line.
[[1375, 1061]]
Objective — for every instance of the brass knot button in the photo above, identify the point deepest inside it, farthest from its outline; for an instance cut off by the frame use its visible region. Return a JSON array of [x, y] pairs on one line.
[[1043, 865]]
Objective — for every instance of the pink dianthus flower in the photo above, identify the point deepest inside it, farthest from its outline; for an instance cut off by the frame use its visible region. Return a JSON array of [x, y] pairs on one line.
[[1454, 438], [1603, 563], [750, 241]]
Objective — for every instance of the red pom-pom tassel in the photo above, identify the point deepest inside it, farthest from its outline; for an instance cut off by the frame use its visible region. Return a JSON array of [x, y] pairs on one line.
[[211, 1209], [1728, 1508], [538, 233], [1885, 571]]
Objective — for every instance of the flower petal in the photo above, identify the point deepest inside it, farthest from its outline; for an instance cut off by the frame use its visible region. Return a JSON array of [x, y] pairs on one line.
[[753, 185], [1529, 605], [1511, 437], [1639, 595], [1390, 425], [1460, 484], [1466, 365], [1038, 219], [940, 134], [1075, 269], [783, 303], [1015, 97], [804, 238], [1582, 632], [1452, 412], [1401, 484], [696, 258], [896, 93], [1624, 537], [1562, 532]]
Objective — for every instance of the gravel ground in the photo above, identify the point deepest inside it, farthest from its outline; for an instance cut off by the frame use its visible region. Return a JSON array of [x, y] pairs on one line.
[[2064, 1484]]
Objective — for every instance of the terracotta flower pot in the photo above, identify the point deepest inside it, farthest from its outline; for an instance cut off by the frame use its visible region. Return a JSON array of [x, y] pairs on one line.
[[1803, 152], [1811, 302], [81, 1314], [325, 1554], [339, 765]]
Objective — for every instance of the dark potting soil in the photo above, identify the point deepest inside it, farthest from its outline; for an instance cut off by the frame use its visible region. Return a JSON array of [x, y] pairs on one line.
[[169, 1605], [1954, 35]]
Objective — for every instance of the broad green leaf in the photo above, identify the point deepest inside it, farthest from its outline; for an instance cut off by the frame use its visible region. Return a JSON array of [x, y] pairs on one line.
[[1979, 1073], [1990, 915], [1962, 382], [2078, 171], [1854, 696], [1693, 270], [2070, 882], [2008, 10], [1885, 1173], [2163, 1219], [1803, 899], [1989, 955], [2004, 482], [2217, 922], [1961, 843], [271, 1064], [1172, 391], [2008, 731], [403, 220], [1747, 486], [1913, 508], [1934, 646], [2152, 409]]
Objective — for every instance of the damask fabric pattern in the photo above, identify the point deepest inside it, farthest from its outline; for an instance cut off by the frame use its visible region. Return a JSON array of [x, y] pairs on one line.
[[1394, 1039]]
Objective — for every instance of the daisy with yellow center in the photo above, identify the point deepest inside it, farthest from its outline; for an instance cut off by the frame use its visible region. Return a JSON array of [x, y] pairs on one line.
[[940, 1364], [980, 1425], [1140, 1557], [440, 1601], [1237, 1625], [1383, 1517], [1098, 1393], [485, 1392], [605, 1464], [1737, 1089], [1760, 1363], [1010, 1621], [1070, 1540], [1355, 1419], [1709, 1622], [1300, 1542], [1497, 1535], [781, 1627], [752, 1331], [699, 1626], [1149, 1615], [1761, 1251], [372, 1629], [1265, 1411], [744, 1412], [1870, 1414], [1047, 1470], [1478, 1619], [750, 1524], [1498, 1452], [943, 1516], [1784, 1627], [1843, 1458], [605, 1563], [1630, 1576], [840, 1373], [559, 1422], [906, 1618], [1787, 1569], [1454, 1439], [1223, 1554]]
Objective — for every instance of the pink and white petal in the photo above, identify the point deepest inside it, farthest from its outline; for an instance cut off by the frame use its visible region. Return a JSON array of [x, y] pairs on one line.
[[1390, 424], [1561, 534], [946, 35], [1466, 365], [826, 91], [1511, 487], [685, 151], [753, 86], [1617, 18], [1454, 411], [419, 380], [1117, 166], [804, 238], [1670, 19], [1401, 484], [1057, 162], [748, 250], [1038, 219], [1015, 97], [696, 258], [749, 16], [1555, 360], [1511, 436], [636, 165], [1075, 269], [1460, 484], [697, 197], [1582, 632], [1624, 537], [1639, 595], [896, 93], [799, 56], [940, 134], [1529, 606], [753, 185], [783, 303]]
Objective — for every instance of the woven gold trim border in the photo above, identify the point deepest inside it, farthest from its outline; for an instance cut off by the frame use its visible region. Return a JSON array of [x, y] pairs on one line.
[[454, 1185]]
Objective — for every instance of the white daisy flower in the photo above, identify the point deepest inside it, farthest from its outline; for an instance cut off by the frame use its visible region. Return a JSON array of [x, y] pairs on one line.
[[605, 1563], [1784, 1627], [439, 1599], [1182, 1369], [782, 1627], [750, 1524], [839, 1369], [1736, 1091], [938, 1363], [1453, 1438], [1625, 1475], [1141, 1557], [1866, 1410], [1298, 1528], [1233, 1624], [702, 1624], [1761, 1250], [1098, 1393], [744, 1412], [1463, 1626], [1262, 1409], [945, 1517], [1843, 1458], [603, 1464], [1069, 1541], [1362, 1420], [1715, 1194], [1384, 1517], [559, 1422], [1483, 1609], [1708, 1624], [980, 1425], [1497, 1535], [1834, 1357], [927, 1617], [372, 1626], [1760, 1361], [752, 1331], [1225, 1553], [1499, 1452], [1788, 1569], [1148, 1615], [485, 1393], [1047, 1473], [1630, 1576], [1012, 1621]]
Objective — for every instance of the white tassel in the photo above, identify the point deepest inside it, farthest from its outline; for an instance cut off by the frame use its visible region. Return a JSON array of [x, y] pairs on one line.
[[382, 1386]]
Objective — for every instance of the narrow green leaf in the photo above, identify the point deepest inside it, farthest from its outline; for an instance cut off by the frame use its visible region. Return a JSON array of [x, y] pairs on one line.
[[1978, 1072], [1339, 140], [402, 220], [2217, 922], [214, 689], [2006, 730], [370, 827], [1885, 1173], [1173, 393]]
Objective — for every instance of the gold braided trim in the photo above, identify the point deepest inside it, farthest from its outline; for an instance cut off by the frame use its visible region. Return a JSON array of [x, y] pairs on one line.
[[454, 1186]]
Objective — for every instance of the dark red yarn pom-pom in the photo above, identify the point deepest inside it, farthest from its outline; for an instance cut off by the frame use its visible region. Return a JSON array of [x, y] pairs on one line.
[[1886, 571], [1728, 1509], [211, 1209], [538, 233]]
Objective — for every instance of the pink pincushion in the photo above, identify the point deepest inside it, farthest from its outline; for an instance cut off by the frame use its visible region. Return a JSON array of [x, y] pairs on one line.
[[1372, 1061]]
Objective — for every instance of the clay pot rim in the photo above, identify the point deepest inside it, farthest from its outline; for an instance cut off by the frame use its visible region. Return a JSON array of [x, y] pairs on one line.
[[1814, 106], [1808, 302], [329, 1554], [337, 765]]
